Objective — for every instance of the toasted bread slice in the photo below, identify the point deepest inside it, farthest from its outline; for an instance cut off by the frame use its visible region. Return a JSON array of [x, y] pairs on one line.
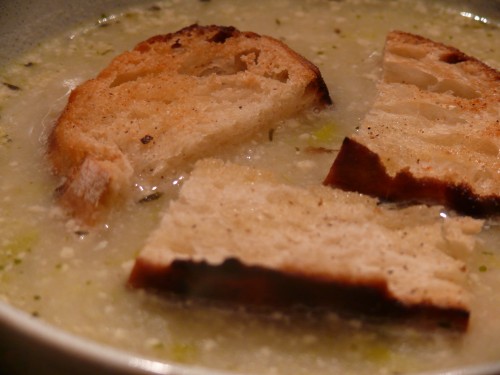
[[433, 133], [170, 100], [237, 233]]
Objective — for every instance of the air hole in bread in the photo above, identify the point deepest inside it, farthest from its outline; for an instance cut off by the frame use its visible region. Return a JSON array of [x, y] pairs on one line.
[[177, 44], [247, 58], [224, 65], [217, 70], [429, 111], [220, 67], [129, 77], [404, 73], [454, 58], [281, 76], [456, 88], [222, 35]]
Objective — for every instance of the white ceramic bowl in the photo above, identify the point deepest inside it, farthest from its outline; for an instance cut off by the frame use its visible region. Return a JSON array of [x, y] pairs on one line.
[[30, 346]]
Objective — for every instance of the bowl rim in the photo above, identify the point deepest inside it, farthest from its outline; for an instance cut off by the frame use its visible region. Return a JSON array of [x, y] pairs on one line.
[[87, 351], [93, 353]]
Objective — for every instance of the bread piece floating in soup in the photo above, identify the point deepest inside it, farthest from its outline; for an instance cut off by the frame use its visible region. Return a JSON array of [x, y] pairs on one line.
[[170, 100], [433, 133], [240, 234]]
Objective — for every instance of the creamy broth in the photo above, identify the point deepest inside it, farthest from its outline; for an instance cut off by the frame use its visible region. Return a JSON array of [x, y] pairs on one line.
[[75, 277]]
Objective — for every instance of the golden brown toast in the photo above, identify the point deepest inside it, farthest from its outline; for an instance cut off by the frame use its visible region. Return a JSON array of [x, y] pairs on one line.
[[240, 234], [170, 100], [432, 134]]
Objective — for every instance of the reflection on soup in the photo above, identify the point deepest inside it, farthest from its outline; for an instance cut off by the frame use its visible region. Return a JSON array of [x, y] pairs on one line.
[[75, 277]]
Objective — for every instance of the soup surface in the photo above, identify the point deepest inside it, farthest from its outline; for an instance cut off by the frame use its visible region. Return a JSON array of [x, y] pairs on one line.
[[75, 277]]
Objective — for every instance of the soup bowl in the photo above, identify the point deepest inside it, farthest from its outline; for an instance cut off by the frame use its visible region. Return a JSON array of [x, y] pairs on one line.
[[30, 345]]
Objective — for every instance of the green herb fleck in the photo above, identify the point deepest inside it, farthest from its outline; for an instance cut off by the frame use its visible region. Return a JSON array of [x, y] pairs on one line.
[[483, 268], [105, 52], [183, 352], [377, 353], [277, 21], [22, 243], [326, 134], [158, 346]]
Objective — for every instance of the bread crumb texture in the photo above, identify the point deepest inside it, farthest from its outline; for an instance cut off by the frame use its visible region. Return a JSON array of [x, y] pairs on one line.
[[433, 132], [171, 100], [229, 211]]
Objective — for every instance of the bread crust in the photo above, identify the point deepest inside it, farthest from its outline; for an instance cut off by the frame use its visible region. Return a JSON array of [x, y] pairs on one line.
[[235, 283], [170, 100], [356, 168], [240, 234], [433, 133]]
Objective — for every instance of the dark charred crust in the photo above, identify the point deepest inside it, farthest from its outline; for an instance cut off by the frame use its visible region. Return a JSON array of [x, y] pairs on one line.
[[464, 200], [454, 57], [235, 283], [218, 34], [223, 34], [318, 87], [176, 44], [357, 168], [146, 139]]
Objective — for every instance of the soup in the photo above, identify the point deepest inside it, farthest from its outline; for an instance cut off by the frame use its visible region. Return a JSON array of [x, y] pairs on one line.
[[80, 273]]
